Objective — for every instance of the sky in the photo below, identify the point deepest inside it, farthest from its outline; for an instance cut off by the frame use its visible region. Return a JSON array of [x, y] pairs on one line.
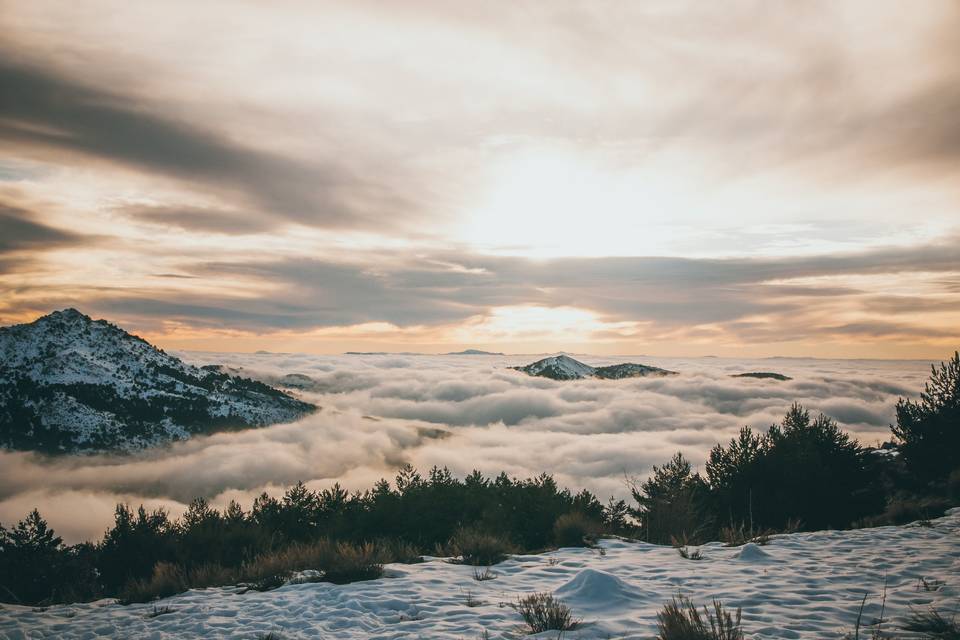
[[668, 178], [379, 412]]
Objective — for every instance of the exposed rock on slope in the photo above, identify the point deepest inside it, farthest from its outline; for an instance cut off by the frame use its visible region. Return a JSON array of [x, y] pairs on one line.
[[72, 384]]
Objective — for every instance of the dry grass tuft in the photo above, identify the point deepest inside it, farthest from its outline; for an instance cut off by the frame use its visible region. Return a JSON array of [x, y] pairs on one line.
[[681, 620], [542, 612]]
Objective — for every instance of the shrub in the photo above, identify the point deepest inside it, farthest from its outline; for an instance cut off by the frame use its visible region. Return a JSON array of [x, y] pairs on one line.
[[735, 536], [542, 612], [160, 611], [479, 548], [352, 563], [484, 575], [340, 563], [575, 530], [934, 624], [680, 620], [399, 551], [686, 554], [905, 508], [167, 580], [953, 486]]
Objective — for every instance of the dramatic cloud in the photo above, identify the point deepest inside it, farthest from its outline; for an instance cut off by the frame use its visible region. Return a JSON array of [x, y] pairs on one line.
[[41, 109], [22, 232], [463, 412], [669, 176]]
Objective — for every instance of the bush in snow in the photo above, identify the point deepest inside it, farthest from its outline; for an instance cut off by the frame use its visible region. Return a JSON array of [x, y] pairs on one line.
[[480, 548], [934, 624], [681, 620], [575, 530], [542, 612]]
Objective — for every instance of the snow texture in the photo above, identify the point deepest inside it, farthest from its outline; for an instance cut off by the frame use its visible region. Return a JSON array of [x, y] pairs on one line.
[[69, 383], [810, 588]]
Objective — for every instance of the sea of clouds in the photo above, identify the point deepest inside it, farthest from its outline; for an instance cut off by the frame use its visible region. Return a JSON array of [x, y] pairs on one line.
[[379, 412]]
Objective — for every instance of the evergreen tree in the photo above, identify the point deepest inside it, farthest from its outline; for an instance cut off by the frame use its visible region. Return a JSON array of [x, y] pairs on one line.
[[929, 429]]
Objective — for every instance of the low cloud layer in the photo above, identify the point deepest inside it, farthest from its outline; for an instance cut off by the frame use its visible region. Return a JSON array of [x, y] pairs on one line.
[[464, 412]]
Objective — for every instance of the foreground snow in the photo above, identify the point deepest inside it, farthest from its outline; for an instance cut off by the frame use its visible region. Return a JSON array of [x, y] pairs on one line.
[[805, 585]]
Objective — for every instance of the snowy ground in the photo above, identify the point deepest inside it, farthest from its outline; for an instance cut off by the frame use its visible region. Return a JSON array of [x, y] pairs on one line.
[[805, 585]]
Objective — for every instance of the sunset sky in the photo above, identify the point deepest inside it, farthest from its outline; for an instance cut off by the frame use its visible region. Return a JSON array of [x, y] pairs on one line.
[[737, 178]]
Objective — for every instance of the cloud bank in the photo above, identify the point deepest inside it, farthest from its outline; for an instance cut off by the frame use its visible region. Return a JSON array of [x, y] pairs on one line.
[[464, 412]]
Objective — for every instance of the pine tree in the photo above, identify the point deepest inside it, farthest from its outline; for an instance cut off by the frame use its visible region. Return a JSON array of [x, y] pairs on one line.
[[929, 429]]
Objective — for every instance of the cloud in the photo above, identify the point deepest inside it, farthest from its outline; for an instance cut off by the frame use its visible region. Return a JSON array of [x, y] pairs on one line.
[[199, 220], [462, 412], [42, 110], [23, 232], [671, 293]]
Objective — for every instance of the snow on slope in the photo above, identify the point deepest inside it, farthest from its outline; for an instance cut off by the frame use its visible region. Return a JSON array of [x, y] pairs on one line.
[[69, 383], [563, 367], [806, 586]]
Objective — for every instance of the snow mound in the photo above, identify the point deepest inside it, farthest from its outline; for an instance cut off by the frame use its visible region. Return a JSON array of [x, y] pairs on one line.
[[752, 552], [593, 587]]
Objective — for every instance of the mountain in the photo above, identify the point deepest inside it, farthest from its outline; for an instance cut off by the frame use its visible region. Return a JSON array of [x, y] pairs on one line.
[[563, 367], [71, 384], [762, 374], [630, 370], [473, 352]]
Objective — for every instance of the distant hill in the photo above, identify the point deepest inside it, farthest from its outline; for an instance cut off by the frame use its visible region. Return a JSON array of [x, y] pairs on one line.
[[473, 352], [563, 367], [762, 374], [72, 384]]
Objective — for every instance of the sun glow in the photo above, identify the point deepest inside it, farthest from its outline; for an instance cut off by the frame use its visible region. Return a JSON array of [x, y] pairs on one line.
[[536, 324], [557, 202]]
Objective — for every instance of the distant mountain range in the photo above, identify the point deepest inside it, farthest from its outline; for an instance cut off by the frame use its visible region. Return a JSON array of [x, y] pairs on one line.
[[473, 352], [465, 352], [563, 367], [72, 384]]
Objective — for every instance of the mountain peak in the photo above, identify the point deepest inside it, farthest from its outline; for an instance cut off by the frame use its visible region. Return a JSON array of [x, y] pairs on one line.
[[69, 383], [563, 367]]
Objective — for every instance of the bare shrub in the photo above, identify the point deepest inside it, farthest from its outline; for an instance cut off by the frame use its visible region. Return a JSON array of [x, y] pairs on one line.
[[932, 623], [167, 580], [542, 612], [575, 529], [484, 574], [479, 548], [681, 620], [160, 611], [352, 563]]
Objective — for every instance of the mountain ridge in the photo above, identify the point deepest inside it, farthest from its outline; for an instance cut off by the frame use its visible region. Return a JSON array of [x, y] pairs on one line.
[[563, 367], [71, 384]]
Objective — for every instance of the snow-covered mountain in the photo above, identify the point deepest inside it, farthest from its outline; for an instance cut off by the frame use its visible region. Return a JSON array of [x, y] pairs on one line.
[[72, 384], [563, 367]]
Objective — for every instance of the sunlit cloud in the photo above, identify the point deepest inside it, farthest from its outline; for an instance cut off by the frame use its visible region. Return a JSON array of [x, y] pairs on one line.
[[329, 177]]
